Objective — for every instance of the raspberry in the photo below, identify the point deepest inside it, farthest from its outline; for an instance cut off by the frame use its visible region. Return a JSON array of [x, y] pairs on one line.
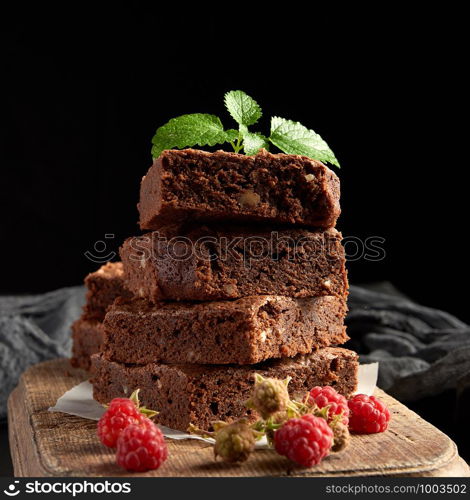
[[121, 412], [327, 396], [305, 440], [367, 415], [234, 442], [141, 447]]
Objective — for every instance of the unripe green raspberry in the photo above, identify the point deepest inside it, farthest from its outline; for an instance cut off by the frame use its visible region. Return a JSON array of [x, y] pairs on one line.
[[234, 442], [270, 396], [341, 436]]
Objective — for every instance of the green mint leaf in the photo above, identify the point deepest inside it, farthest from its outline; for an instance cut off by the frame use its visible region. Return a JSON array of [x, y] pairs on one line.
[[232, 134], [293, 138], [189, 130], [244, 109], [253, 142]]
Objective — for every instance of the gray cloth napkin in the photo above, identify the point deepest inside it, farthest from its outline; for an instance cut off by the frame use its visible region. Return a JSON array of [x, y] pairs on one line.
[[34, 328], [422, 351]]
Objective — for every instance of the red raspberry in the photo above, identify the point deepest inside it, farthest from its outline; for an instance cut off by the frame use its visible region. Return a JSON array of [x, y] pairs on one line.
[[141, 447], [121, 412], [367, 415], [305, 440], [327, 396]]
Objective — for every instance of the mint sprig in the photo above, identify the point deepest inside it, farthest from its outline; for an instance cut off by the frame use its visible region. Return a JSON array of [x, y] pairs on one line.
[[207, 130], [253, 142], [295, 139], [243, 108], [189, 130]]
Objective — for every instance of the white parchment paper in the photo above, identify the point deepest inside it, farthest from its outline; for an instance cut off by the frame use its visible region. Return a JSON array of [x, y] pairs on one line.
[[79, 401]]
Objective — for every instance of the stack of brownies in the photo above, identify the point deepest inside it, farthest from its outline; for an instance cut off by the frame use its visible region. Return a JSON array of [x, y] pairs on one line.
[[243, 272]]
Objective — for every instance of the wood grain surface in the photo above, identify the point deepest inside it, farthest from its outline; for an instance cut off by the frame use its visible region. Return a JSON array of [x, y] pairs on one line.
[[56, 444]]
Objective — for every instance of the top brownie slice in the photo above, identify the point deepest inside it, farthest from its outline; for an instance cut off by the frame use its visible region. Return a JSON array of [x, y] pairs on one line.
[[104, 286], [275, 188]]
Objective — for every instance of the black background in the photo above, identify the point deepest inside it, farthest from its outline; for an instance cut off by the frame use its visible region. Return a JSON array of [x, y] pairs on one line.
[[83, 93]]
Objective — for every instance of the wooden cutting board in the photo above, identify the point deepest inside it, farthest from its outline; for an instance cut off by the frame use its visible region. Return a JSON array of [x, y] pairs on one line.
[[56, 444]]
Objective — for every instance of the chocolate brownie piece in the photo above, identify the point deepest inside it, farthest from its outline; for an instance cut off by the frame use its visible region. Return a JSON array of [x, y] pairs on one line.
[[87, 336], [103, 286], [275, 188], [202, 394], [211, 263], [244, 331]]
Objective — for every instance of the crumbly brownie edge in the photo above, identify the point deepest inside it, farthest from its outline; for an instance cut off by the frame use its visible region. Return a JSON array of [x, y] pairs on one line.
[[150, 201], [103, 286], [87, 339], [162, 387], [141, 275]]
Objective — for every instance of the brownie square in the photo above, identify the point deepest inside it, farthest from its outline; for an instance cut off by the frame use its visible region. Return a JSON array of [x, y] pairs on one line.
[[243, 331], [211, 263], [191, 184], [202, 394]]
